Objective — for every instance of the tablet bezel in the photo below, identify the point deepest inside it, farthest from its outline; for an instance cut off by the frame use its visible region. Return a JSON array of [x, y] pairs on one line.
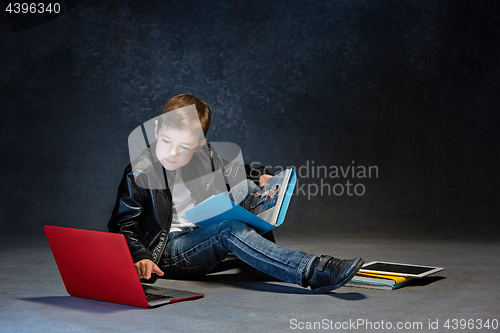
[[421, 275]]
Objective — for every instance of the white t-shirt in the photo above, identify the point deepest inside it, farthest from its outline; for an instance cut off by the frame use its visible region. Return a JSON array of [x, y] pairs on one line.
[[182, 202]]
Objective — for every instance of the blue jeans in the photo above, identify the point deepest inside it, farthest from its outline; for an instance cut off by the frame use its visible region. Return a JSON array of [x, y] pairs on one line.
[[195, 252]]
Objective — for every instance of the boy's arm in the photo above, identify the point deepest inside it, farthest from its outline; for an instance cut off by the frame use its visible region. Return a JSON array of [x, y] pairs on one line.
[[259, 175], [127, 214]]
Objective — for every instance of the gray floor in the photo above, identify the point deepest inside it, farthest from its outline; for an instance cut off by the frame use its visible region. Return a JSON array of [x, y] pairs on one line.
[[33, 298]]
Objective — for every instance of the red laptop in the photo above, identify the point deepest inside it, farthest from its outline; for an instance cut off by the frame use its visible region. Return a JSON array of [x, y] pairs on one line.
[[98, 265]]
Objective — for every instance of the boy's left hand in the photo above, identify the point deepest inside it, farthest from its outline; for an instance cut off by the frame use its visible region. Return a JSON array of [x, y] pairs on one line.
[[263, 179]]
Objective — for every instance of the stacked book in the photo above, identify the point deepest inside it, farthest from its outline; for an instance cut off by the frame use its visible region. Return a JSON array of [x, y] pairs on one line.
[[378, 281]]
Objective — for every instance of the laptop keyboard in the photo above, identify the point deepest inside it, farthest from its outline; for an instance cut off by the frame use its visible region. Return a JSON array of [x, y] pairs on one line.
[[156, 297]]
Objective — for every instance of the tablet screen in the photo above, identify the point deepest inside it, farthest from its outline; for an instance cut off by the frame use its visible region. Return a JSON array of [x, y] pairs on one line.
[[397, 268]]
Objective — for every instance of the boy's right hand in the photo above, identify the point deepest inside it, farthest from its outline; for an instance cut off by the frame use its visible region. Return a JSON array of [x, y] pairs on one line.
[[145, 267]]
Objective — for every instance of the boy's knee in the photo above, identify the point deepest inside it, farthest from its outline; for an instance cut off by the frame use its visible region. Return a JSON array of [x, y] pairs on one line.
[[234, 226], [252, 187], [240, 192]]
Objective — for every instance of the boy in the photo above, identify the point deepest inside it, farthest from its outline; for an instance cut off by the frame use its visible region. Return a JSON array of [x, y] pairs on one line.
[[177, 172]]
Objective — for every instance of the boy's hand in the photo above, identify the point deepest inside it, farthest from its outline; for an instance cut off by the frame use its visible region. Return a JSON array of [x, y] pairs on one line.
[[145, 267], [263, 179]]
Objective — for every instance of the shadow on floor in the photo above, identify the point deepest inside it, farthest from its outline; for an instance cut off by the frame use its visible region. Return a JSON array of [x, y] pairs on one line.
[[81, 304], [241, 278], [237, 279], [425, 281], [240, 281]]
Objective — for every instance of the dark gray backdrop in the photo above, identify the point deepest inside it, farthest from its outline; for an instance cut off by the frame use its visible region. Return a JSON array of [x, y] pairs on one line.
[[410, 87]]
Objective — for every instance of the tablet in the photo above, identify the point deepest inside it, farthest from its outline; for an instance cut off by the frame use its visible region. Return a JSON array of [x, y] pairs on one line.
[[392, 268]]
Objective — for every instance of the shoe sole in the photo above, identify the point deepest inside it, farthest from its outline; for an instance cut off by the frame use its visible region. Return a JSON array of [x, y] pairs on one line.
[[325, 289]]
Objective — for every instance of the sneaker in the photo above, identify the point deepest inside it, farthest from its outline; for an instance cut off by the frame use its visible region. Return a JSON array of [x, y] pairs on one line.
[[332, 273]]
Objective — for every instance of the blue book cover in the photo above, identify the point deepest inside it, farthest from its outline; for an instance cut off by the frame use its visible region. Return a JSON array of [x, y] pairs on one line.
[[267, 207]]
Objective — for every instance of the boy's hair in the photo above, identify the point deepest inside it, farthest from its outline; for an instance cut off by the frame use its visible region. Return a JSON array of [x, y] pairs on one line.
[[185, 120]]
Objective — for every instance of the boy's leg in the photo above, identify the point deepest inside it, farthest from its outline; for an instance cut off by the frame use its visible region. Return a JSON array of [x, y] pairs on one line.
[[242, 193], [254, 274], [199, 251]]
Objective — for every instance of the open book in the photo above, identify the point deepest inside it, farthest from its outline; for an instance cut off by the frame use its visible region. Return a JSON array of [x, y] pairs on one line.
[[266, 208]]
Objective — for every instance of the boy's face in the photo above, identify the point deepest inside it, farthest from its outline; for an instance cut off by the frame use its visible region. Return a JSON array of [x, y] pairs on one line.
[[175, 148]]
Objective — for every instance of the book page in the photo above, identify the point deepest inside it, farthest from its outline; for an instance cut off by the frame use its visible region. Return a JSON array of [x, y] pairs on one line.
[[266, 204]]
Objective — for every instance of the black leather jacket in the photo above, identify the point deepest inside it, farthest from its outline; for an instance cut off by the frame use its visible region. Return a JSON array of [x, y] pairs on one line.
[[143, 209]]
